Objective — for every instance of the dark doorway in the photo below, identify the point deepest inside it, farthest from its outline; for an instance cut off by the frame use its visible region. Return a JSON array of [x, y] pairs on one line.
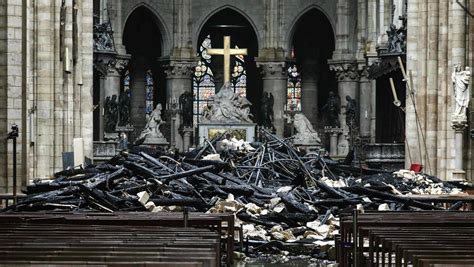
[[390, 120], [312, 46], [229, 22], [143, 41]]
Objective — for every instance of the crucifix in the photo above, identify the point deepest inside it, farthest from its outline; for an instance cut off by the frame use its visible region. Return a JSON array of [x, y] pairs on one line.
[[227, 52]]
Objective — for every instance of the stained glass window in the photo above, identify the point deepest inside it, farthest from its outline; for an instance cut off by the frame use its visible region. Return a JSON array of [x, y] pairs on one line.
[[203, 82], [126, 80], [239, 77], [293, 89], [149, 94]]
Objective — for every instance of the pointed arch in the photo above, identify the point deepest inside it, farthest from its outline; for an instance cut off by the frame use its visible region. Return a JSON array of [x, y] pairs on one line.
[[159, 21], [216, 11], [294, 24]]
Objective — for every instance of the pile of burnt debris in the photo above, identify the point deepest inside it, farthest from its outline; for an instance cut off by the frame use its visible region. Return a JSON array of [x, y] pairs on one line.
[[284, 200]]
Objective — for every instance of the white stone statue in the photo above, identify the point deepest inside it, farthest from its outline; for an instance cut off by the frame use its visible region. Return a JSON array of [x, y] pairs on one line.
[[460, 79], [228, 107], [305, 131], [152, 127]]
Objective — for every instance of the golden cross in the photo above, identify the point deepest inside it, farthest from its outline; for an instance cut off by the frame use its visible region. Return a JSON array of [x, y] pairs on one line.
[[227, 52]]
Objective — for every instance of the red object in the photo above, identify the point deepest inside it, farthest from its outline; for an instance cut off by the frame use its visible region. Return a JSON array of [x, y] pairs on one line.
[[416, 167]]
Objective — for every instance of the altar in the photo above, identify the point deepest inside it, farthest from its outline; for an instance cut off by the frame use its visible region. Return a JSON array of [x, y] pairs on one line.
[[241, 131], [229, 111]]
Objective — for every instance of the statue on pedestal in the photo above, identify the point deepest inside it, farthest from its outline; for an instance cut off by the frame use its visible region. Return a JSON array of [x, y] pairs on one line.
[[396, 39], [152, 127], [186, 106], [124, 108], [332, 109], [460, 79], [267, 110], [228, 107], [305, 131], [351, 111], [110, 113]]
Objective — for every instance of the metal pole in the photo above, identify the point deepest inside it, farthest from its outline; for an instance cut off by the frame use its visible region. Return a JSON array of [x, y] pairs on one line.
[[13, 134], [14, 170]]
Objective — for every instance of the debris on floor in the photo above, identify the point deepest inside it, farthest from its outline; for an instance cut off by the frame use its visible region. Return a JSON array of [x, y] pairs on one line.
[[286, 202]]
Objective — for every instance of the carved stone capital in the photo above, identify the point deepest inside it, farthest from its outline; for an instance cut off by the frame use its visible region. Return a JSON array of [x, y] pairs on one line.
[[109, 64], [459, 124], [345, 70], [272, 70], [363, 72], [179, 70], [121, 63]]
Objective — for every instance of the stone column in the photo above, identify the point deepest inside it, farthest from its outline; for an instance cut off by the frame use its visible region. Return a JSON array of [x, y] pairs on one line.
[[275, 81], [458, 32], [348, 85], [138, 96], [457, 43], [110, 84], [459, 128], [309, 92], [178, 81], [365, 104]]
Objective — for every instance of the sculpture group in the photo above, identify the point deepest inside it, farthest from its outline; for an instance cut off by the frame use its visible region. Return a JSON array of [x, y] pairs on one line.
[[228, 107]]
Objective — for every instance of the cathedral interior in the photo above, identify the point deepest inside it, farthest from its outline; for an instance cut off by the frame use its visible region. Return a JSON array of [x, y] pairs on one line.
[[375, 85]]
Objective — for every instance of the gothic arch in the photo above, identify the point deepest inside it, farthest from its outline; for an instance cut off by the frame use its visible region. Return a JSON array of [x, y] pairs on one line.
[[294, 24], [219, 9], [165, 39]]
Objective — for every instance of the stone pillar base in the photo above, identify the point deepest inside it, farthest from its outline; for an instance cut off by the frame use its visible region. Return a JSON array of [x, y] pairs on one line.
[[458, 175], [334, 134], [187, 132]]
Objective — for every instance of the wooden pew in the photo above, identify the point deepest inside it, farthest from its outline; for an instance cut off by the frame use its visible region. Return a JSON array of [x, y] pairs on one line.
[[222, 223], [30, 242], [397, 238]]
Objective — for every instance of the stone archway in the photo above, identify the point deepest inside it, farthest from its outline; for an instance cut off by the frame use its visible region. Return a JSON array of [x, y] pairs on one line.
[[313, 43], [143, 40]]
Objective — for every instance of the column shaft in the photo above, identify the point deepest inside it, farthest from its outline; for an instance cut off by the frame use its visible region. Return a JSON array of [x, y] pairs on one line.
[[365, 106], [178, 81], [275, 82]]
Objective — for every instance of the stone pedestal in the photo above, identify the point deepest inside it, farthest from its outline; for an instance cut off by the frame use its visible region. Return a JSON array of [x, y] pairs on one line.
[[245, 131], [333, 140], [387, 156], [151, 141], [124, 135], [459, 127], [308, 147], [103, 151], [275, 81], [187, 132], [111, 136]]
